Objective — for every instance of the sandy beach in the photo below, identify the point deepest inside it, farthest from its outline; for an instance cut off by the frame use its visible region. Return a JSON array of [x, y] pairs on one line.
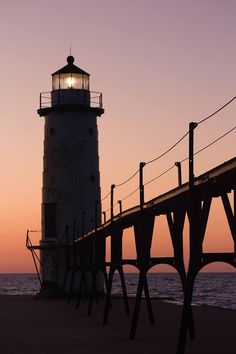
[[53, 326]]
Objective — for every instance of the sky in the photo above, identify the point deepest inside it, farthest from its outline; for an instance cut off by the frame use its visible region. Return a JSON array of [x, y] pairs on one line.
[[160, 64]]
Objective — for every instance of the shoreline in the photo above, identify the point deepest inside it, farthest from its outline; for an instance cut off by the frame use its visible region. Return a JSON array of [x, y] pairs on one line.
[[164, 286], [52, 326], [132, 297]]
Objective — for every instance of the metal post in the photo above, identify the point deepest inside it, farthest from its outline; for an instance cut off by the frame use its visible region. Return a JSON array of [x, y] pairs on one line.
[[104, 217], [120, 205], [192, 126], [112, 200], [141, 186], [191, 196], [193, 235], [178, 165]]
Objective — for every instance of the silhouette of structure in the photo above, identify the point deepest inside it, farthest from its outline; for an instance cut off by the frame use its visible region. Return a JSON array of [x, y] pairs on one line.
[[190, 201], [71, 181]]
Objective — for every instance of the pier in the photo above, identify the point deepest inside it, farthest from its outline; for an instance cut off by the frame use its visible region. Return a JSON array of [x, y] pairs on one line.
[[193, 200]]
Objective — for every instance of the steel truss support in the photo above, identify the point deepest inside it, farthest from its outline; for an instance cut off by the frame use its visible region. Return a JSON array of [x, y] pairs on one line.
[[143, 236], [99, 267], [143, 231], [198, 216], [116, 235]]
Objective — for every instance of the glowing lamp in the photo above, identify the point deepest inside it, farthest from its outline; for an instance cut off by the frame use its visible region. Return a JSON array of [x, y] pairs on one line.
[[70, 82]]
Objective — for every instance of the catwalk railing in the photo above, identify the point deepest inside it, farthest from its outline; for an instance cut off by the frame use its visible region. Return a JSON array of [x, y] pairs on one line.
[[46, 100]]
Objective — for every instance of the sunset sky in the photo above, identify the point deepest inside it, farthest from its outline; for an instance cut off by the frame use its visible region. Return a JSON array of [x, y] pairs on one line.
[[159, 64]]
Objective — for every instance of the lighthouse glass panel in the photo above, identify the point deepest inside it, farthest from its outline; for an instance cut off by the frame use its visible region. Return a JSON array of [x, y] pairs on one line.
[[55, 82], [70, 81], [86, 82]]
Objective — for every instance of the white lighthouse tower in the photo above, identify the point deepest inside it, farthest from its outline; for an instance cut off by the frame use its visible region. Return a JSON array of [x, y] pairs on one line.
[[71, 185]]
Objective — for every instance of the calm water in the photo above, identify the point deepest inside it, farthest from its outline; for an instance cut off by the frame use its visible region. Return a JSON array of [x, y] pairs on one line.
[[213, 289]]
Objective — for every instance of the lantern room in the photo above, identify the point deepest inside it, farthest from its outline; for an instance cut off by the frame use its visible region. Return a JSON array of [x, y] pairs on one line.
[[70, 85], [70, 77], [70, 90]]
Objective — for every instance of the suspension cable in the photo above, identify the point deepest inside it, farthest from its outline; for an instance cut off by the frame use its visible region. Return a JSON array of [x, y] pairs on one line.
[[174, 145], [215, 141], [129, 195], [217, 111], [105, 197], [163, 173], [127, 180], [197, 152], [166, 152]]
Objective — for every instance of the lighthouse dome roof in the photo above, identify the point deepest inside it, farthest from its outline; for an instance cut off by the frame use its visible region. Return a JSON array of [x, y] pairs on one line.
[[70, 68]]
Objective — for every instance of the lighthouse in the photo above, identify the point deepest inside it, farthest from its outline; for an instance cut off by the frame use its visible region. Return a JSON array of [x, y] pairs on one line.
[[71, 199]]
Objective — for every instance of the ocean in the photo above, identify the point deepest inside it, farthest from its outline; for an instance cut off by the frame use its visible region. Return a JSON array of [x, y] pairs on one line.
[[212, 289]]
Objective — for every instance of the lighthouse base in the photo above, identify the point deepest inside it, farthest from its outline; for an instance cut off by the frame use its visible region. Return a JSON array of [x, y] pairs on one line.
[[49, 290], [61, 277]]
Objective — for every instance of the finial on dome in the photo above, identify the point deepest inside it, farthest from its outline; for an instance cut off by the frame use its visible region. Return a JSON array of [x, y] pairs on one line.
[[70, 59]]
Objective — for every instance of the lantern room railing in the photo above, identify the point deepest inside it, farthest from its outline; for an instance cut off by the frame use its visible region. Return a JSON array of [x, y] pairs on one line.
[[95, 101]]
